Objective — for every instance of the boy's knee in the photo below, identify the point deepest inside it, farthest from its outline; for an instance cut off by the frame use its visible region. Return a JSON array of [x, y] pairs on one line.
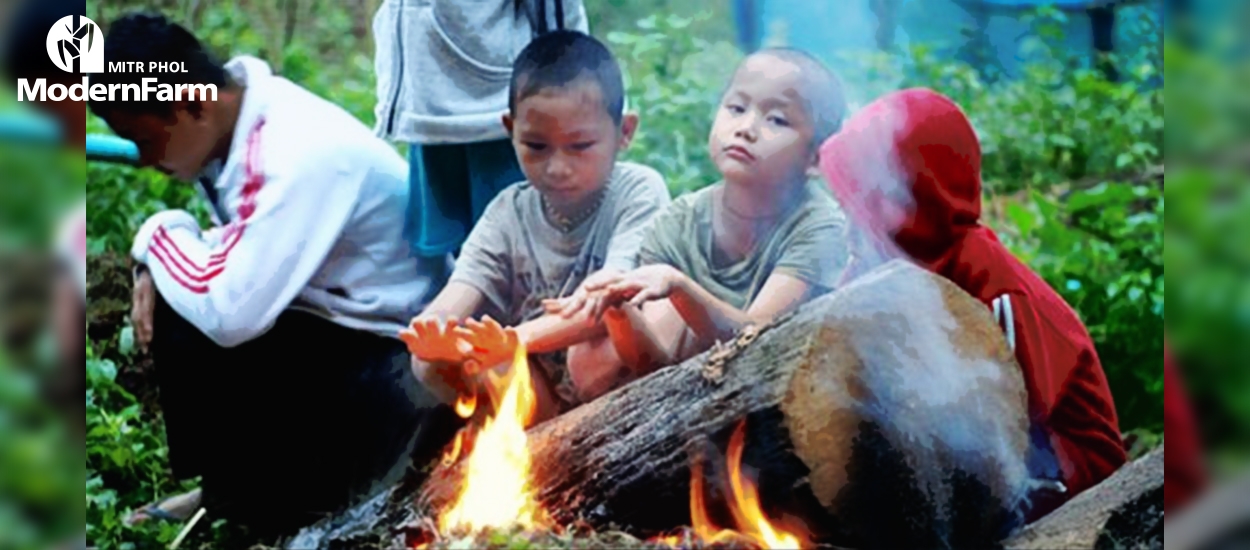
[[594, 368]]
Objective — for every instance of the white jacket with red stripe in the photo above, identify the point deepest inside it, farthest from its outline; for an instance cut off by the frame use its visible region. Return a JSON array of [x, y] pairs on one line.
[[309, 211]]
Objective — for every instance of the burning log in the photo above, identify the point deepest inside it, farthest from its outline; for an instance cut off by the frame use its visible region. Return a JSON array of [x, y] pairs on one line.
[[888, 414]]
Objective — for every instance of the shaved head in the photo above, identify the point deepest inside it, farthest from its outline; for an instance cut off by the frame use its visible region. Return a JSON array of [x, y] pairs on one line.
[[819, 89]]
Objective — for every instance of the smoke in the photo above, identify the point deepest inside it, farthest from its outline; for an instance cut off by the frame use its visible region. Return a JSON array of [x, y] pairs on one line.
[[870, 181], [946, 402], [946, 407]]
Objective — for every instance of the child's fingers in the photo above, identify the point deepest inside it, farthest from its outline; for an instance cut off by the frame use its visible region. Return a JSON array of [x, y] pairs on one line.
[[643, 297], [598, 303], [493, 326], [573, 305], [600, 284], [625, 286], [420, 330], [474, 325], [408, 337]]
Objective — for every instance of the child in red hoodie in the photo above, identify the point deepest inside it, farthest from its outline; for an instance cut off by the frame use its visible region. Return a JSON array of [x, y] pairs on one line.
[[907, 170], [1183, 474]]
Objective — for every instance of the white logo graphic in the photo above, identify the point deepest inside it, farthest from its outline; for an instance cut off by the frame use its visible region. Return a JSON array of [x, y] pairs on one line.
[[76, 45]]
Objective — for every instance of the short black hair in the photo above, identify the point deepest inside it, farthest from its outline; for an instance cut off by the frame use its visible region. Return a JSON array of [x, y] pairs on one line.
[[559, 58], [25, 45], [145, 38]]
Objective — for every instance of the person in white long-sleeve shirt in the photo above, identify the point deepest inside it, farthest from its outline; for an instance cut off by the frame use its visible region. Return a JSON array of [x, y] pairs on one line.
[[274, 333]]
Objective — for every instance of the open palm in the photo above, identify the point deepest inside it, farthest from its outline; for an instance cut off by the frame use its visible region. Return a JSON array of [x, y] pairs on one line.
[[433, 341], [491, 344]]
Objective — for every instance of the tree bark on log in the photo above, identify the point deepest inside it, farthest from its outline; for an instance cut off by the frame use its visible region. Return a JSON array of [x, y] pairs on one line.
[[1124, 511], [890, 413]]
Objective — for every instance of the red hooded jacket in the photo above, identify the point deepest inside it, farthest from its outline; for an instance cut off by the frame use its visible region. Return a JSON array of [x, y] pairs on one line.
[[907, 170], [1183, 474]]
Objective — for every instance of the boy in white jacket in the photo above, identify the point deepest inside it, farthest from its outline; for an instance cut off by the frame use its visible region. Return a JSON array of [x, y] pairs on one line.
[[443, 68], [274, 333]]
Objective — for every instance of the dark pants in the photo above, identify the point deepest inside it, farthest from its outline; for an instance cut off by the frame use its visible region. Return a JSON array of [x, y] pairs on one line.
[[292, 425]]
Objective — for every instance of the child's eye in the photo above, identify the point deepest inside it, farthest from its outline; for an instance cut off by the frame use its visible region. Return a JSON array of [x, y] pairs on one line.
[[535, 146], [583, 145], [780, 121], [736, 109]]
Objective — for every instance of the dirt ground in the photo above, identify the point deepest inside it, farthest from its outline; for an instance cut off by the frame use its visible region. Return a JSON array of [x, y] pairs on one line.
[[109, 283]]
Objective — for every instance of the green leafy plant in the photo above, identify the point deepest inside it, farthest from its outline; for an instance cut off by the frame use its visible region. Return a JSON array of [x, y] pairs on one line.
[[127, 462]]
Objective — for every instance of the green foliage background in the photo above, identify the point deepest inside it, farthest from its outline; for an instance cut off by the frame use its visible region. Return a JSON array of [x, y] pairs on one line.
[[1065, 153]]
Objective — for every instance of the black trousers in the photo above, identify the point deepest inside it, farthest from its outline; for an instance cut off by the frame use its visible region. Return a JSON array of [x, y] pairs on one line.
[[295, 424]]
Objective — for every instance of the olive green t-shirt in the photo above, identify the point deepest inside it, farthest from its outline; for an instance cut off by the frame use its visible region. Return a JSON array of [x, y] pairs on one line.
[[809, 243]]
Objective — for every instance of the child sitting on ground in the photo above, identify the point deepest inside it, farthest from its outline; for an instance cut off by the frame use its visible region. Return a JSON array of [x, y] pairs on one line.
[[907, 169], [748, 249], [577, 219]]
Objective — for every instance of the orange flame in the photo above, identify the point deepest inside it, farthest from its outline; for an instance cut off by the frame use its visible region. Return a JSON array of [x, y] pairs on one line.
[[752, 525], [746, 509], [453, 454], [466, 404], [496, 492]]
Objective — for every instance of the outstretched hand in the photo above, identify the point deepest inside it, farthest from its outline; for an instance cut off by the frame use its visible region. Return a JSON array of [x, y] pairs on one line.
[[647, 283], [584, 299], [434, 341], [489, 344]]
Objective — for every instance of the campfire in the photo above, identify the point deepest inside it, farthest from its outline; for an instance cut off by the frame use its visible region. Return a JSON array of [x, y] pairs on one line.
[[497, 492], [819, 465]]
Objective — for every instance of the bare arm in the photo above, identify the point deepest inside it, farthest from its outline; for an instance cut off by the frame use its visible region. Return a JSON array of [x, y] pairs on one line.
[[649, 337], [708, 317], [553, 332], [713, 319]]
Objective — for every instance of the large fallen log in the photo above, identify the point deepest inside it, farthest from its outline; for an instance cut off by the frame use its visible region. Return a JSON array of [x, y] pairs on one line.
[[887, 414]]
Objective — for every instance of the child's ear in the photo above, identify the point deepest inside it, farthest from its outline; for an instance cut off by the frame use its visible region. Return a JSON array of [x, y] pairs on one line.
[[185, 101], [629, 125], [507, 123], [813, 167]]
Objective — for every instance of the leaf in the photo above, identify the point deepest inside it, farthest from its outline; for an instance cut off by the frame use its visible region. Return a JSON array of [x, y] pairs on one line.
[[1100, 196], [1063, 141], [103, 368], [126, 341], [1122, 160], [1025, 221]]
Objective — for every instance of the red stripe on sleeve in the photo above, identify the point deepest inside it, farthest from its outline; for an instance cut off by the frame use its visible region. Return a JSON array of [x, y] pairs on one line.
[[160, 256], [164, 243]]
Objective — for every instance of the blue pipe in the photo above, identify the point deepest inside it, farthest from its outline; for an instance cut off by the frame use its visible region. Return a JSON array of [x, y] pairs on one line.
[[38, 130], [105, 148]]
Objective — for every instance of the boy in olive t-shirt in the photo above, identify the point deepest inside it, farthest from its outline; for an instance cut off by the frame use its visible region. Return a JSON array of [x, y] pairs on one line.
[[750, 248]]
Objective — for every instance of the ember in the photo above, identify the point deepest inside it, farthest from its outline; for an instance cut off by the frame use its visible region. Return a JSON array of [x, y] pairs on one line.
[[496, 492]]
